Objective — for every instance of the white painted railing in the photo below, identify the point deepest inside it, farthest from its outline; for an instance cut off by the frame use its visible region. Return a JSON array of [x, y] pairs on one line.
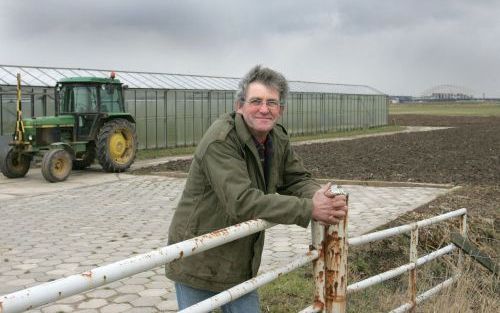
[[328, 253], [410, 267]]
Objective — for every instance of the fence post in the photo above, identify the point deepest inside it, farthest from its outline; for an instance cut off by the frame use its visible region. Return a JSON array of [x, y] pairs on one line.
[[412, 278], [318, 237], [335, 251], [463, 232]]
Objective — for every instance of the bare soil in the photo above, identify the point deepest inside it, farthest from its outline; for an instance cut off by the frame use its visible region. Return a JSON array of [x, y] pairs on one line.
[[467, 153]]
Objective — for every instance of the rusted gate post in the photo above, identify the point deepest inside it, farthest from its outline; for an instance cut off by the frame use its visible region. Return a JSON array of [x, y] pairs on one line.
[[330, 268], [336, 268], [318, 237]]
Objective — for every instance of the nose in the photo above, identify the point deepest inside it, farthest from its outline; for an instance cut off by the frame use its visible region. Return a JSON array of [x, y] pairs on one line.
[[264, 108]]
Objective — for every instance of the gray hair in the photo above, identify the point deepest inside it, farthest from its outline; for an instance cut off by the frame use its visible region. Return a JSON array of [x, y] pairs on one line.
[[266, 76]]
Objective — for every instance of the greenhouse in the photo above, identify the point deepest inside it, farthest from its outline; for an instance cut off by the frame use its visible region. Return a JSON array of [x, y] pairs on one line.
[[173, 110]]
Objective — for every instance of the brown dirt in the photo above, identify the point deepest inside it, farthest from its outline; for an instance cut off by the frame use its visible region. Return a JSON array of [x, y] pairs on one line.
[[468, 153]]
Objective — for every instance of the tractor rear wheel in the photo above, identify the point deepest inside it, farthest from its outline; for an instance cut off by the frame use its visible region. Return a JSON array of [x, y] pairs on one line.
[[56, 165], [116, 145], [86, 158], [15, 164]]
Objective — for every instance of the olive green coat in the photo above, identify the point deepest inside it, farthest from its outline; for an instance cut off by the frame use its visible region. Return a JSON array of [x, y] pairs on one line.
[[226, 186]]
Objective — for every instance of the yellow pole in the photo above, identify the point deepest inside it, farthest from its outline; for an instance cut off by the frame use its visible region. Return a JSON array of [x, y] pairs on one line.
[[19, 133]]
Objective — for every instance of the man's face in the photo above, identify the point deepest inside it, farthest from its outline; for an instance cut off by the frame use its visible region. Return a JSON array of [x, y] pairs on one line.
[[262, 117]]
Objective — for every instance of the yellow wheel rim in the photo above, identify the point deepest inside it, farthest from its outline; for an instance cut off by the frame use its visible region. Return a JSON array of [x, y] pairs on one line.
[[119, 147], [60, 166]]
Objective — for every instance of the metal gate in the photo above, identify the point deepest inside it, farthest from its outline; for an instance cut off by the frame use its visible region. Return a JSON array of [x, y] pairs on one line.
[[328, 253]]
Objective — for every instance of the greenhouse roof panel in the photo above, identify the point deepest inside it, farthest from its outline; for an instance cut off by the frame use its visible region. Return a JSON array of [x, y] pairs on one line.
[[47, 77]]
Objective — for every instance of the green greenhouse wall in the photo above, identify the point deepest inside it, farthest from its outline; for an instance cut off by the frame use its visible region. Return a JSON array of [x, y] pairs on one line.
[[173, 118]]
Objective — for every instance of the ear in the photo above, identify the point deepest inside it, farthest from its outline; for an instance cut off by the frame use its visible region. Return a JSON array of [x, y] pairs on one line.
[[282, 110], [237, 106]]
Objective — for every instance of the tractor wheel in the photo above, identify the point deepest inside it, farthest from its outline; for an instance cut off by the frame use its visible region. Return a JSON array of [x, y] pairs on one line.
[[56, 165], [116, 145], [86, 159], [15, 164]]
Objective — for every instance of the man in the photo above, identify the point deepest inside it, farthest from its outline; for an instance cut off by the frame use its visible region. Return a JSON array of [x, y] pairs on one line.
[[243, 168]]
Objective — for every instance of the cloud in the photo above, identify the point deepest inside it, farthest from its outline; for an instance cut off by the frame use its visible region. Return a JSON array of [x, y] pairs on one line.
[[401, 47]]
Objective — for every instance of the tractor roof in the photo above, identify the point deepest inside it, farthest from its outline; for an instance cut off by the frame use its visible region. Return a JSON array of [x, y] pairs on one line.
[[89, 80]]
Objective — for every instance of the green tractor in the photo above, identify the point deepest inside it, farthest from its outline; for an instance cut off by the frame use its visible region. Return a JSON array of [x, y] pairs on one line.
[[90, 121]]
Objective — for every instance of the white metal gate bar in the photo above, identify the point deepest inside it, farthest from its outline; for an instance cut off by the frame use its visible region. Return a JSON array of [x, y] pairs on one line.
[[360, 285], [426, 295], [52, 291], [356, 241], [248, 286]]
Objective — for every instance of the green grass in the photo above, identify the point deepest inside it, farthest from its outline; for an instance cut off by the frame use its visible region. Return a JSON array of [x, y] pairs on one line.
[[158, 153], [291, 292], [448, 108]]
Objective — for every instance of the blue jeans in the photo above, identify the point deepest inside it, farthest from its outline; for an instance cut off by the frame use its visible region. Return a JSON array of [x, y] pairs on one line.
[[188, 296]]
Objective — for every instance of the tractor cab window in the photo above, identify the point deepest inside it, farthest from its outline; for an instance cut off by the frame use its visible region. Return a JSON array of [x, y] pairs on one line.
[[78, 99], [110, 98]]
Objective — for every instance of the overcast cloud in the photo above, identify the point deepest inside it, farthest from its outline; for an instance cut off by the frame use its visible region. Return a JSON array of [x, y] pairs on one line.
[[397, 46]]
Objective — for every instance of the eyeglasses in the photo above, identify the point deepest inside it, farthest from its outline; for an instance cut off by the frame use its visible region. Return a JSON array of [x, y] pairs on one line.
[[257, 102]]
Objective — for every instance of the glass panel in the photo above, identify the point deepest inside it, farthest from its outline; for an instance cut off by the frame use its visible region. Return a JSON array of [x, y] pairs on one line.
[[110, 98], [78, 99]]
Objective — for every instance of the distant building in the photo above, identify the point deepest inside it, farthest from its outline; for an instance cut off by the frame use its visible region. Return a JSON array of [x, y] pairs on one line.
[[447, 93]]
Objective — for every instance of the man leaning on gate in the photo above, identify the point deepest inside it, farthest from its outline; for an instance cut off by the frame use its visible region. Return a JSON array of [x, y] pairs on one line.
[[243, 168]]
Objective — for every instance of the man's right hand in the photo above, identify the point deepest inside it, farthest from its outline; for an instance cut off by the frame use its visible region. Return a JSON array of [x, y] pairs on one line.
[[328, 210]]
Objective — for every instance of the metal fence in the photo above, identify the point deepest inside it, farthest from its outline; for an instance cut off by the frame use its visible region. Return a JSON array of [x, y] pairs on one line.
[[328, 253], [175, 118]]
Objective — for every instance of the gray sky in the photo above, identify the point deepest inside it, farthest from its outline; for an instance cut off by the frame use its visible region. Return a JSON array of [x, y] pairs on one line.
[[396, 46]]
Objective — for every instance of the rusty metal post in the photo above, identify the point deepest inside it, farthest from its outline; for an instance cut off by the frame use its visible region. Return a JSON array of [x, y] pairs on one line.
[[412, 278], [318, 237], [335, 254], [336, 268]]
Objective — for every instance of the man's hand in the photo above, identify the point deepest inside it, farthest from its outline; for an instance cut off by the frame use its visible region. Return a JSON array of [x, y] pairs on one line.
[[328, 210]]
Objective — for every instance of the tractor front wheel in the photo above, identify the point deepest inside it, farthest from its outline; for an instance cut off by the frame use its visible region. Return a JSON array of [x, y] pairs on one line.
[[116, 145], [56, 165], [15, 164]]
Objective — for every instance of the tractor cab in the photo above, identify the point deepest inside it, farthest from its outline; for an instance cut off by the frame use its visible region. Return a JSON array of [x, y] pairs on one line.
[[88, 99]]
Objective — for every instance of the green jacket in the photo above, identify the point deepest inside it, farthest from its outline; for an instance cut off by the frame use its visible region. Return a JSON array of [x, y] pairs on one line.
[[226, 186]]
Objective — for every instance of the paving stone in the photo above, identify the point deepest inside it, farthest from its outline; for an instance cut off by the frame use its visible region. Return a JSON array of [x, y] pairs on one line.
[[101, 293], [21, 282], [155, 285], [152, 292], [130, 289], [59, 272], [72, 299], [92, 304], [115, 308], [125, 298], [57, 308], [141, 310], [146, 301], [137, 281], [24, 267], [169, 305]]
